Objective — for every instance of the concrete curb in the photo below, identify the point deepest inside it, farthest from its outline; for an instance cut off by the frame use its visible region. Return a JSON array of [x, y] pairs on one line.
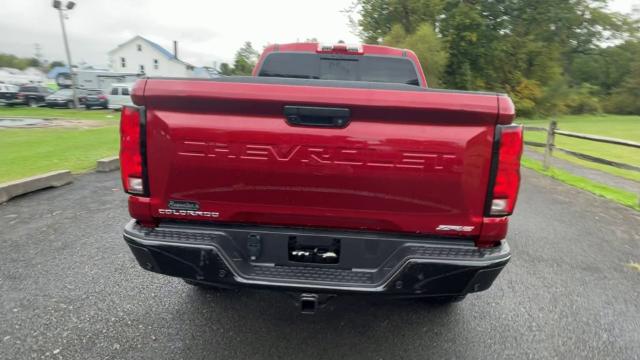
[[108, 164], [12, 189]]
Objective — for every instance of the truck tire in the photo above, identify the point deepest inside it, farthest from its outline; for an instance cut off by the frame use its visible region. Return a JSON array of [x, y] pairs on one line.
[[201, 285], [70, 105], [32, 103]]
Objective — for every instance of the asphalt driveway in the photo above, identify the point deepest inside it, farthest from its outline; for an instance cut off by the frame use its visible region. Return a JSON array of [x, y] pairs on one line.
[[70, 289]]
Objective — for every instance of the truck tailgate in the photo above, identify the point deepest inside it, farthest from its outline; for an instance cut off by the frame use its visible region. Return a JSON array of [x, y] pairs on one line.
[[409, 159]]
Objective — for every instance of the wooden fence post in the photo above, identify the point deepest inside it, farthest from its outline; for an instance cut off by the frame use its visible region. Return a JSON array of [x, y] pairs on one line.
[[548, 149]]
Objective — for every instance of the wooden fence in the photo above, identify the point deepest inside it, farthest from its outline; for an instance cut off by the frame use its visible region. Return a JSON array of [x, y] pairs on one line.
[[550, 146]]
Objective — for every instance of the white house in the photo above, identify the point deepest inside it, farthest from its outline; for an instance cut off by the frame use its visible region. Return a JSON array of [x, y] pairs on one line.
[[143, 56]]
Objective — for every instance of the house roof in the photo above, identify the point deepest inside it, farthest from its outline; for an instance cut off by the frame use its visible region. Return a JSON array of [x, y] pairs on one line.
[[166, 53]]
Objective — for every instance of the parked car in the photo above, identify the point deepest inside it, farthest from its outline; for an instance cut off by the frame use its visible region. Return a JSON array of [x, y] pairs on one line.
[[119, 95], [96, 98], [31, 95], [333, 170], [64, 98], [7, 92]]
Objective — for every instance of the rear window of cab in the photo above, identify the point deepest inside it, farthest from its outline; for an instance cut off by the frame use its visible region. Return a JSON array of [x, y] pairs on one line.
[[340, 67]]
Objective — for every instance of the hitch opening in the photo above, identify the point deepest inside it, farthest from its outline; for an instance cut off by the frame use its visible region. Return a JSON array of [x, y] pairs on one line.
[[308, 304]]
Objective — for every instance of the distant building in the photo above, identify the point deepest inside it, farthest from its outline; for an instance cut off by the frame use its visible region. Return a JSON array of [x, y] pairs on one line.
[[90, 78], [143, 56]]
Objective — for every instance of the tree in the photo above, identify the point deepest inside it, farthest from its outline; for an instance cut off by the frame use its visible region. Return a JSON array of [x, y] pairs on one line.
[[225, 69], [33, 62], [551, 56], [12, 61], [605, 68], [377, 17], [245, 60], [243, 63], [577, 26], [626, 98], [56, 63], [428, 47], [468, 42]]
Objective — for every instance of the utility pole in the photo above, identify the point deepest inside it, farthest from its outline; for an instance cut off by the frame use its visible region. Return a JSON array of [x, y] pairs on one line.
[[38, 53], [57, 4]]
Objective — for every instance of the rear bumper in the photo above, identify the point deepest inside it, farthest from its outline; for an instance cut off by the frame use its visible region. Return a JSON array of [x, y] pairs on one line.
[[369, 263]]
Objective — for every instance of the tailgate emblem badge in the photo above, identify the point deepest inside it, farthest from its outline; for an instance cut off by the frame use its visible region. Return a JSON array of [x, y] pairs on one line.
[[186, 208], [183, 205], [368, 156], [455, 228]]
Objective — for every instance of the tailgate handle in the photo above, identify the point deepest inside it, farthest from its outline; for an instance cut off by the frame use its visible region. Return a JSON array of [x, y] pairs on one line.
[[317, 116]]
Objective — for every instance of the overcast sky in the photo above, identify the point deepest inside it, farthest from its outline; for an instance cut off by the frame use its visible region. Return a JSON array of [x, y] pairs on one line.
[[207, 30]]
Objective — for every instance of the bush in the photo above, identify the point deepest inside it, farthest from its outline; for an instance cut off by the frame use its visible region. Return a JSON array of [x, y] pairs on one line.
[[552, 103], [583, 100], [626, 98], [526, 96], [558, 98], [624, 103]]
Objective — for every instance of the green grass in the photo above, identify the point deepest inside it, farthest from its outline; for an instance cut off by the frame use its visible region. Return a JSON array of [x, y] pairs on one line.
[[616, 126], [28, 152], [48, 113], [625, 198]]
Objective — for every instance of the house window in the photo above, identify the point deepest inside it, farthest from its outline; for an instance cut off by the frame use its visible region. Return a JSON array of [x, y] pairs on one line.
[[155, 64], [139, 47], [123, 62], [141, 68]]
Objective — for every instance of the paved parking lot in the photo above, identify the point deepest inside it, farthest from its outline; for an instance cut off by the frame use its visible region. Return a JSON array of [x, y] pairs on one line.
[[70, 289]]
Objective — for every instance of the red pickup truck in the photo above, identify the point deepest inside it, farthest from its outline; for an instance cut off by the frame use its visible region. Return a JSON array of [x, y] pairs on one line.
[[333, 169]]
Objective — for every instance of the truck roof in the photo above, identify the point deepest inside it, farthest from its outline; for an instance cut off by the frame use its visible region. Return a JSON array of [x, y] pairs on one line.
[[313, 47]]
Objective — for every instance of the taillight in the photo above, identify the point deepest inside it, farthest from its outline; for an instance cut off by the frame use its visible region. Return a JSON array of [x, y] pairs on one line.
[[102, 97], [507, 172], [130, 151]]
